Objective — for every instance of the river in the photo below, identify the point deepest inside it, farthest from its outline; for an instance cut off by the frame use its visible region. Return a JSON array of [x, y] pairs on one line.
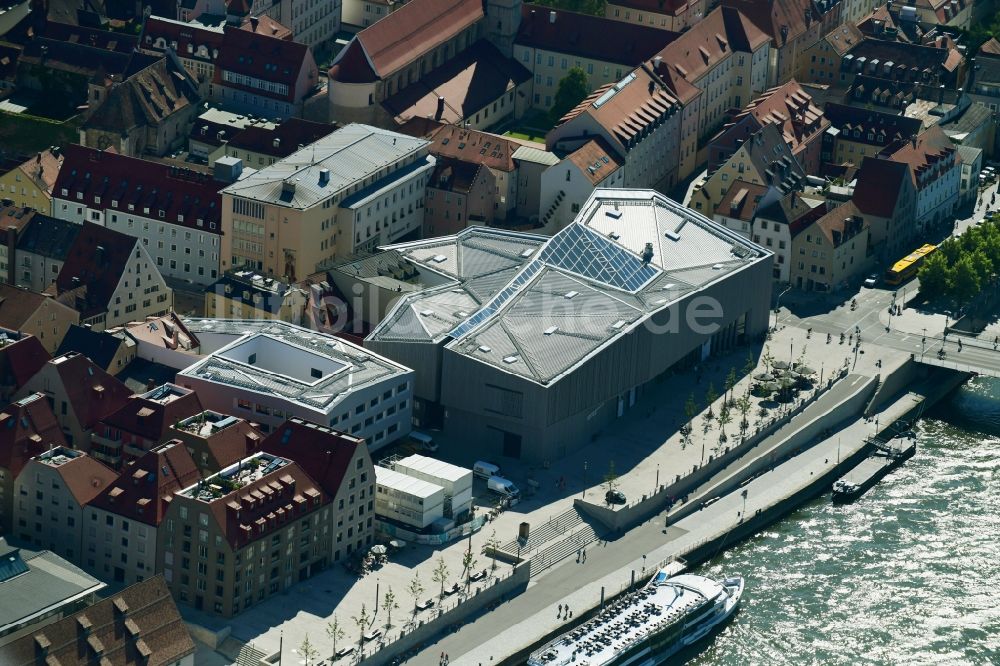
[[909, 574]]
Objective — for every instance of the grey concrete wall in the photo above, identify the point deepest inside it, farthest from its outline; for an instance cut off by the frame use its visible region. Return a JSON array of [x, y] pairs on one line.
[[895, 382], [632, 514], [561, 417], [513, 584]]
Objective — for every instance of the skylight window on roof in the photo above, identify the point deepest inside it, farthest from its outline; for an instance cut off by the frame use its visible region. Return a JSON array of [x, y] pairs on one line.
[[550, 330], [618, 325], [672, 235], [616, 214], [485, 349], [439, 258], [571, 294], [511, 359], [527, 253], [427, 313]]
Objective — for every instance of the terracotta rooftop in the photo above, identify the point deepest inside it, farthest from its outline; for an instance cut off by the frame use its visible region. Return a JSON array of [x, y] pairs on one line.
[[782, 20], [148, 97], [265, 25], [265, 58], [83, 476], [596, 160], [842, 223], [855, 124], [139, 626], [146, 485], [20, 359], [708, 42], [588, 36], [791, 109], [843, 38], [282, 140], [991, 47], [924, 153], [225, 439], [148, 416], [43, 169], [17, 306], [399, 38], [880, 182], [468, 82], [256, 496], [740, 201], [15, 216], [470, 145], [28, 428], [627, 108], [91, 392], [325, 452], [139, 187], [166, 332]]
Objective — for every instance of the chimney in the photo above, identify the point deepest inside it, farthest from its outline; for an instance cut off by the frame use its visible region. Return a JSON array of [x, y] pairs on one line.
[[913, 140], [254, 21], [647, 254], [656, 62], [276, 143], [440, 108], [552, 17], [324, 176]]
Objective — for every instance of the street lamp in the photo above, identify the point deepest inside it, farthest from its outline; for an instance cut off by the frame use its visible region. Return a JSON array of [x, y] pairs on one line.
[[777, 306], [585, 466]]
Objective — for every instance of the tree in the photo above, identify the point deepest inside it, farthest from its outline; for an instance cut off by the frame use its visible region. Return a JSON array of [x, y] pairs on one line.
[[335, 633], [493, 543], [724, 419], [711, 395], [468, 564], [966, 282], [611, 478], [416, 589], [573, 88], [768, 359], [441, 574], [743, 405], [388, 605], [690, 411], [750, 364], [308, 650], [361, 619], [935, 276], [730, 383]]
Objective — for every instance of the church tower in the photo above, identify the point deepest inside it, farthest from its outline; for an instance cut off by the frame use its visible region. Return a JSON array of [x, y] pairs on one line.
[[503, 20]]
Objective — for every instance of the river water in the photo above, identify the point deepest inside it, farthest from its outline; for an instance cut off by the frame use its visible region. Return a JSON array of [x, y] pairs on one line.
[[908, 574]]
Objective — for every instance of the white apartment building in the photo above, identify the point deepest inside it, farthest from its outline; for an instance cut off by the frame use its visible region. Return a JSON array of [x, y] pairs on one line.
[[349, 192], [174, 211], [269, 371]]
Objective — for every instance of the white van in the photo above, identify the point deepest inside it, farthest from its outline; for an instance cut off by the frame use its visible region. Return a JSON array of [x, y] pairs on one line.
[[485, 470], [424, 441], [503, 487]]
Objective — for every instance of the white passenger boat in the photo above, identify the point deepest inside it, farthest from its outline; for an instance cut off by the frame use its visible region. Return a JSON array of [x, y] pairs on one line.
[[648, 626]]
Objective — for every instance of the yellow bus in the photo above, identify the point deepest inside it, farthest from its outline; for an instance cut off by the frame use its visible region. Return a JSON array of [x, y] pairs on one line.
[[907, 267]]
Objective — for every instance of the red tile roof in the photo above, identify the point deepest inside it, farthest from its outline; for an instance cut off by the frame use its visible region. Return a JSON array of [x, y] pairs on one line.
[[740, 201], [923, 153], [139, 626], [588, 36], [470, 145], [880, 182], [17, 306], [628, 107], [186, 39], [326, 453], [85, 477], [150, 415], [290, 134], [596, 160], [781, 20], [265, 25], [91, 391], [400, 38], [20, 360], [185, 197], [991, 46], [265, 58], [146, 486], [94, 267], [227, 439], [28, 428], [269, 503], [791, 108], [708, 42]]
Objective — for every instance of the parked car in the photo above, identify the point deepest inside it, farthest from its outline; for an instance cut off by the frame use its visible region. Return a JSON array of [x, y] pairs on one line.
[[424, 441], [614, 497], [485, 470], [503, 487], [871, 281]]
